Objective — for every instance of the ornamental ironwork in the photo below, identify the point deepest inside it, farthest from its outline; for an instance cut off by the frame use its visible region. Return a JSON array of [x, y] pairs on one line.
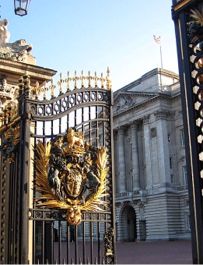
[[71, 175]]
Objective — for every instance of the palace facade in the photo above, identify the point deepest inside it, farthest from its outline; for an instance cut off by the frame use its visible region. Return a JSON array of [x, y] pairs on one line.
[[150, 166]]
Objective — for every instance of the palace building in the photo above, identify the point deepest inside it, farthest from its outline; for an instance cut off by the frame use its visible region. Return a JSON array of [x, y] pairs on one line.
[[150, 165]]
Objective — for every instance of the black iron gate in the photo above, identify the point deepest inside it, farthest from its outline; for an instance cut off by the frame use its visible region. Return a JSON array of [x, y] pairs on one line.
[[188, 19], [59, 174]]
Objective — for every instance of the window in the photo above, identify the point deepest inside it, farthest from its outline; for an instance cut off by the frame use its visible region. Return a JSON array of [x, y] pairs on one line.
[[184, 175], [170, 162], [153, 132], [182, 137], [172, 179]]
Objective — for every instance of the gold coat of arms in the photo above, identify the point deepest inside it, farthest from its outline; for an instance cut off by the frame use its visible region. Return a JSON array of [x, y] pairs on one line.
[[71, 175]]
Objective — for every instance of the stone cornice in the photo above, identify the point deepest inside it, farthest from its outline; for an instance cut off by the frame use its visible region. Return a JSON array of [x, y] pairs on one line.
[[134, 93], [120, 128], [128, 124], [16, 69], [163, 114]]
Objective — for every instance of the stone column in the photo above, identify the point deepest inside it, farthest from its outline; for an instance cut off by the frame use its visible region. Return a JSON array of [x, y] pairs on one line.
[[163, 148], [121, 161], [147, 152], [135, 164]]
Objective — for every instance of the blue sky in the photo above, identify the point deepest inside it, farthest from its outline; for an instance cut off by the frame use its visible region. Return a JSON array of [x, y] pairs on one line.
[[69, 35]]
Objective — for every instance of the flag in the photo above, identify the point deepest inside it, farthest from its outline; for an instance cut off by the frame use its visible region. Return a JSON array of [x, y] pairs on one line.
[[157, 39]]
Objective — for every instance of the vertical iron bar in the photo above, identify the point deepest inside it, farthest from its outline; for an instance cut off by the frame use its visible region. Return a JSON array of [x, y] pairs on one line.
[[15, 209], [13, 202], [105, 222], [82, 116], [112, 180], [43, 130], [91, 240], [59, 245], [34, 196], [83, 240], [16, 224], [67, 121], [43, 240], [52, 122], [18, 206], [98, 236], [103, 129], [52, 242], [60, 125], [34, 240], [9, 221], [97, 134], [68, 100], [68, 243], [75, 118], [90, 123], [76, 243]]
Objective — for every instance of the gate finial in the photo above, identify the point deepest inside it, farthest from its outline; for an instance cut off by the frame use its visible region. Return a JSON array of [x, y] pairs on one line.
[[108, 81], [67, 82]]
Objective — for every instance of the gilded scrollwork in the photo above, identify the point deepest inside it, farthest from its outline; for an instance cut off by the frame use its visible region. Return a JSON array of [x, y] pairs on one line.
[[71, 175]]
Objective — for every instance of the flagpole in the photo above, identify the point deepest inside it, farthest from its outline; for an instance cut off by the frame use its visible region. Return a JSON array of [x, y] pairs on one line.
[[161, 65], [158, 41], [160, 49]]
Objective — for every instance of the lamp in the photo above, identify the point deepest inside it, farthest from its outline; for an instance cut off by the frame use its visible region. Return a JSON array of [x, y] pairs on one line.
[[21, 7]]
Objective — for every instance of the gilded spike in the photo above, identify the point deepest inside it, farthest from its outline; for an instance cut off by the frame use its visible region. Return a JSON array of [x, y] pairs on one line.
[[60, 84], [108, 81], [75, 80], [82, 79], [108, 71], [89, 79], [44, 91], [52, 88], [67, 81], [102, 80], [95, 79]]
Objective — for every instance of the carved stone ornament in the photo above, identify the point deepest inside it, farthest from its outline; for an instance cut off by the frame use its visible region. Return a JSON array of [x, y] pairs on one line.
[[19, 50], [71, 175]]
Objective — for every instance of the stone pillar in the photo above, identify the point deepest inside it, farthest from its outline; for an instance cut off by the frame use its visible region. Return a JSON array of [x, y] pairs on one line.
[[121, 161], [147, 152], [163, 148], [135, 165]]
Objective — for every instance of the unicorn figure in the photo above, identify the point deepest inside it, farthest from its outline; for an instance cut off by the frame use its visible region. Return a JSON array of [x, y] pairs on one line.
[[4, 33]]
